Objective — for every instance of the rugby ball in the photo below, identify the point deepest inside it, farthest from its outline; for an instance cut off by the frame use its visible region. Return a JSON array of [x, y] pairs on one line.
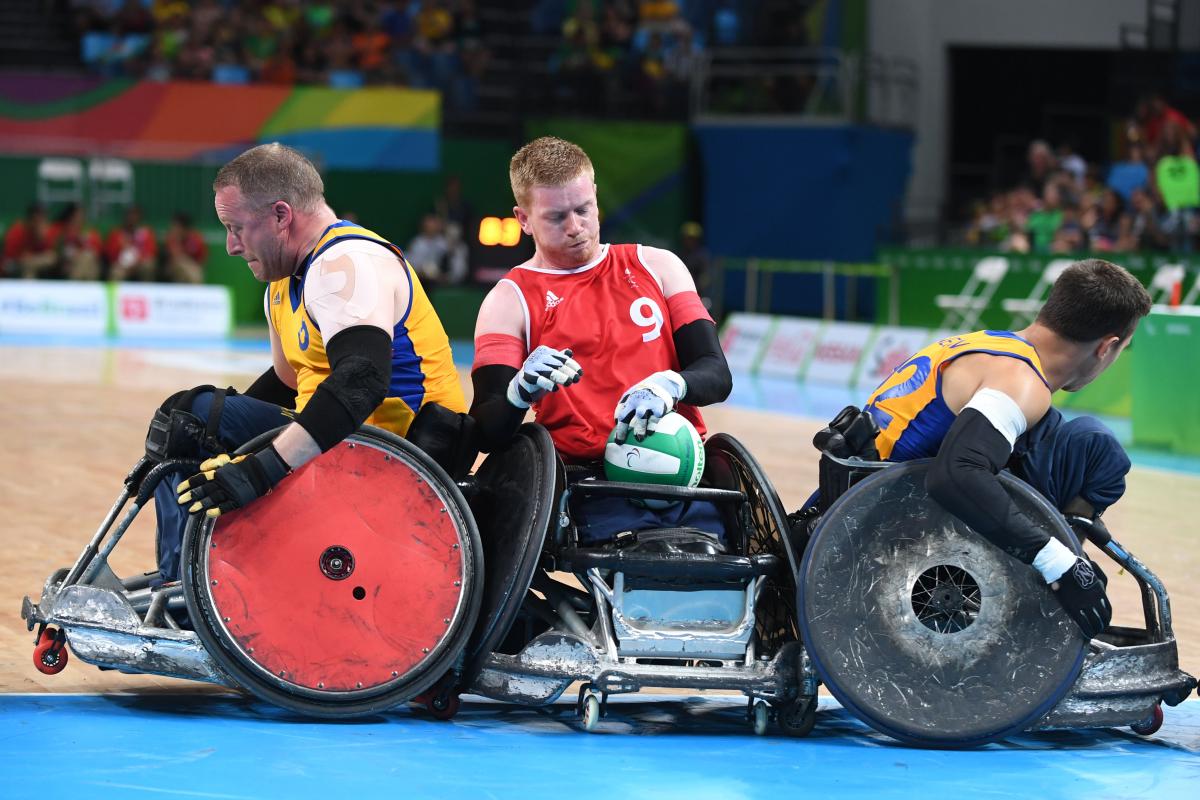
[[672, 455]]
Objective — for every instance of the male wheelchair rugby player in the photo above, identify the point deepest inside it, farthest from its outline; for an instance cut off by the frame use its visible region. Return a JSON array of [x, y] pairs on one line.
[[946, 598]]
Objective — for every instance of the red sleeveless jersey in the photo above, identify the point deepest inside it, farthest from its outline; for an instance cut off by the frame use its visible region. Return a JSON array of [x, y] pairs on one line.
[[613, 316]]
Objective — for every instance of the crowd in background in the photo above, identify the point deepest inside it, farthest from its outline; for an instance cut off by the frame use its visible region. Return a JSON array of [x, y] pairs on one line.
[[427, 44], [616, 54], [630, 56], [1149, 200], [65, 246]]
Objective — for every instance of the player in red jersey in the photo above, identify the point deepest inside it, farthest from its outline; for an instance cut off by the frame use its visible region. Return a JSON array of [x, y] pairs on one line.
[[589, 334]]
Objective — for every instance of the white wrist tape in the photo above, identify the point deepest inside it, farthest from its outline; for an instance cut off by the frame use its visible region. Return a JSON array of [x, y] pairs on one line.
[[1002, 411], [1053, 560]]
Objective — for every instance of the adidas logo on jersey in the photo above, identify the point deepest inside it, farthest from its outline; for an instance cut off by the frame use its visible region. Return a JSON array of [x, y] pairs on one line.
[[552, 299], [276, 299]]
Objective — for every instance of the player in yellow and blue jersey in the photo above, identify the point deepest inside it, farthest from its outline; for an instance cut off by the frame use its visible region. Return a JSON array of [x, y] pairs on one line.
[[354, 340], [980, 402]]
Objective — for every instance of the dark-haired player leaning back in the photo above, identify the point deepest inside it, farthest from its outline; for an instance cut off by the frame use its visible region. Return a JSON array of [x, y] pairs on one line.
[[980, 403]]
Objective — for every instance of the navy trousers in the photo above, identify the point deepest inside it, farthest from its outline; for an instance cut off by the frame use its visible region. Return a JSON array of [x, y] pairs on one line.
[[1064, 460], [242, 418]]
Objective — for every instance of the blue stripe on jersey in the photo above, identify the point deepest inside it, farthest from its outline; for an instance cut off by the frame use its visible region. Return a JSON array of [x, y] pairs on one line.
[[408, 381], [924, 434]]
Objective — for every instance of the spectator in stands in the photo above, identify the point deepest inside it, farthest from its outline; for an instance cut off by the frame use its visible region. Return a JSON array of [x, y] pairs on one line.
[[184, 251], [428, 250], [1069, 238], [1146, 224], [131, 249], [1105, 230], [28, 247], [281, 68], [1177, 177], [76, 244], [1153, 115], [1044, 222], [1126, 176], [1073, 164], [1041, 166]]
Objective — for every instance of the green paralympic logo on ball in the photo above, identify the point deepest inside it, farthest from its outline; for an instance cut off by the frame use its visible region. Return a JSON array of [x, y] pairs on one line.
[[672, 455]]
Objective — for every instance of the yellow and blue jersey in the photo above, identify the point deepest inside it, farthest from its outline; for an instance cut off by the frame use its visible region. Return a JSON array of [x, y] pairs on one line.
[[422, 367], [908, 406]]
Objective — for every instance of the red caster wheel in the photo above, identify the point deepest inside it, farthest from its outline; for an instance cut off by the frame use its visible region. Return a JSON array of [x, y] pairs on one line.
[[50, 655], [1151, 724], [442, 706]]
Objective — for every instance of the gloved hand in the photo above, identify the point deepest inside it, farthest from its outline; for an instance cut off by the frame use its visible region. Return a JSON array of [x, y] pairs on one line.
[[1081, 591], [544, 371], [225, 483], [646, 402]]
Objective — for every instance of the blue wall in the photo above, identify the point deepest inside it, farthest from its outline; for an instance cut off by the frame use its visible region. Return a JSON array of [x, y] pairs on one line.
[[801, 192]]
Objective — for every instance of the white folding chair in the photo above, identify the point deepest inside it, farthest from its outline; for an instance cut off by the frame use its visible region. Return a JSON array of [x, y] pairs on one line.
[[110, 183], [964, 309], [1192, 298], [60, 180], [1024, 310], [1162, 285]]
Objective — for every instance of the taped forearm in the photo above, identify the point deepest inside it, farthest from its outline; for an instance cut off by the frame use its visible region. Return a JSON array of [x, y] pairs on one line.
[[963, 479], [702, 363], [496, 419], [361, 357]]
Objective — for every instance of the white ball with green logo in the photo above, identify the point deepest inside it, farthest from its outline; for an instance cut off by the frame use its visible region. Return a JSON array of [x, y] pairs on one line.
[[671, 455]]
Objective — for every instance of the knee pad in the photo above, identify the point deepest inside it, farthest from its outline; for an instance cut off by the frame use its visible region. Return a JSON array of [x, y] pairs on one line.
[[176, 432]]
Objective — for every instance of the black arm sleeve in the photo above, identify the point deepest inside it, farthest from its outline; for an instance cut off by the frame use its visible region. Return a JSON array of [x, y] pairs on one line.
[[269, 388], [361, 358], [963, 479], [496, 419], [702, 363]]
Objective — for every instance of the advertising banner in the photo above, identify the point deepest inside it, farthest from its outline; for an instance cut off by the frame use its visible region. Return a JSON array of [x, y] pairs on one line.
[[837, 353], [53, 307], [743, 338], [787, 353], [153, 309]]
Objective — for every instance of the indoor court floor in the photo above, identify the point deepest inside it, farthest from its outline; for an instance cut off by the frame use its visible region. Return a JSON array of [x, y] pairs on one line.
[[73, 419]]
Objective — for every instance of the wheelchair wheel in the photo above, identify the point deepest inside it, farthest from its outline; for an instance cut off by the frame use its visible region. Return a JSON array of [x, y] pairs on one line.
[[729, 465], [922, 628], [518, 490], [350, 588]]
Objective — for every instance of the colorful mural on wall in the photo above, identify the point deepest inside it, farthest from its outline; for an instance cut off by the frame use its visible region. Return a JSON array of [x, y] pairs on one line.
[[373, 128]]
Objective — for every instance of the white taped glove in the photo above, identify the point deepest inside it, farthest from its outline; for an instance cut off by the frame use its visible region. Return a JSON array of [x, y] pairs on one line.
[[544, 371], [646, 402]]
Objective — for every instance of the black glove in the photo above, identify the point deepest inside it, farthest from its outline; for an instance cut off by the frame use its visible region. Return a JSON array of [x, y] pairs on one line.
[[224, 484], [1081, 592]]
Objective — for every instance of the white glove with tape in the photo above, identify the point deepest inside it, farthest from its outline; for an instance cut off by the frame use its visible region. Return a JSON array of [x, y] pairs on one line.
[[544, 371], [646, 402]]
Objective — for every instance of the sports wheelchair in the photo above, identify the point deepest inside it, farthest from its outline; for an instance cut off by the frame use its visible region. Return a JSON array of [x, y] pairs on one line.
[[933, 636], [359, 583], [667, 608]]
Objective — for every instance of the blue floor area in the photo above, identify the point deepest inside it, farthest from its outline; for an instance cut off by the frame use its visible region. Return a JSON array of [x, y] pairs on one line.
[[225, 746]]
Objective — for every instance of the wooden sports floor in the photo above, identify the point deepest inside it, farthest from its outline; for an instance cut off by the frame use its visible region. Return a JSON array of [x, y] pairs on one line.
[[73, 420]]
